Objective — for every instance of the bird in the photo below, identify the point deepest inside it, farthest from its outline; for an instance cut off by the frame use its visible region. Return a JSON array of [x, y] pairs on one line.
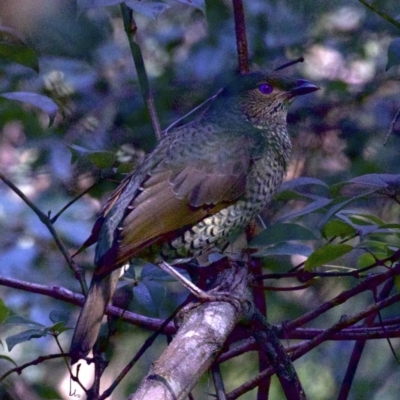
[[197, 190]]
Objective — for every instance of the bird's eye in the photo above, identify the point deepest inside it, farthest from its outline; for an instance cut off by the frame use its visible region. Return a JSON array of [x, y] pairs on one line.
[[265, 88]]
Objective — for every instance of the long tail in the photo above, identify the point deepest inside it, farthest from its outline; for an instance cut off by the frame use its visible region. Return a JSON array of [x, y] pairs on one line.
[[89, 321]]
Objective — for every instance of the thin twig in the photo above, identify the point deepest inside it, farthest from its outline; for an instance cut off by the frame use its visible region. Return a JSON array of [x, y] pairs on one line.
[[69, 204], [354, 333], [37, 361], [285, 289], [345, 322], [131, 32], [260, 302], [391, 128], [146, 345], [308, 275], [218, 382], [316, 341], [369, 284], [382, 14], [68, 296], [359, 347], [46, 221], [65, 359], [241, 39], [191, 112], [290, 63]]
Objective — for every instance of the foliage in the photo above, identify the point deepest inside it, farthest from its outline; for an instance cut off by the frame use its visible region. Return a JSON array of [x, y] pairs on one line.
[[333, 226]]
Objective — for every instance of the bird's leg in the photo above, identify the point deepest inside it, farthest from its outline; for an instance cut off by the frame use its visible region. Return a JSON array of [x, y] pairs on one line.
[[213, 295], [179, 277]]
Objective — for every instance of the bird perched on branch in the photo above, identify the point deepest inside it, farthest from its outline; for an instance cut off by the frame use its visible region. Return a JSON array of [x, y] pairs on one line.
[[201, 186]]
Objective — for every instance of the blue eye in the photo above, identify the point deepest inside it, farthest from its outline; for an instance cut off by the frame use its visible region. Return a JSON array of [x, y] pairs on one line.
[[265, 88]]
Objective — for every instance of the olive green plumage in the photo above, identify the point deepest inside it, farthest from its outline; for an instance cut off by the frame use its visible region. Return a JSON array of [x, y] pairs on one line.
[[203, 183]]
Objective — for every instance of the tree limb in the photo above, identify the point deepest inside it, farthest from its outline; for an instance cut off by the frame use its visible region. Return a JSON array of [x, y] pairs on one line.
[[197, 343]]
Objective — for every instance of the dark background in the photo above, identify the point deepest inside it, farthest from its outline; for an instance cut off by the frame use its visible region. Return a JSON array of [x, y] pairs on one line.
[[86, 67]]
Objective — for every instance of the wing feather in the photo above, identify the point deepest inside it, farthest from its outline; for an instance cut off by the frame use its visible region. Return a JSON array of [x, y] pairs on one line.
[[173, 195]]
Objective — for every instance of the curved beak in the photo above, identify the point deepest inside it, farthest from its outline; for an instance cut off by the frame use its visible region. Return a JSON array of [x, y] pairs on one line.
[[303, 87]]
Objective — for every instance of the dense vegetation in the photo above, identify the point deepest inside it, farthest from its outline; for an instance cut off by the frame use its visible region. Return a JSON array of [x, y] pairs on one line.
[[73, 121]]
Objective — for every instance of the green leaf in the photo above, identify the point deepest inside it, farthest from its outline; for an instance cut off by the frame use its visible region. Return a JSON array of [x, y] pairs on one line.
[[18, 320], [58, 328], [200, 4], [340, 205], [391, 226], [365, 260], [337, 228], [8, 359], [147, 296], [366, 230], [336, 86], [149, 9], [85, 4], [389, 239], [284, 249], [46, 392], [368, 181], [4, 311], [294, 183], [102, 159], [157, 292], [393, 53], [366, 219], [281, 233], [379, 249], [378, 180], [326, 254], [397, 282], [136, 266], [77, 152], [125, 168], [25, 336], [12, 48], [308, 209], [56, 316], [287, 195], [43, 102]]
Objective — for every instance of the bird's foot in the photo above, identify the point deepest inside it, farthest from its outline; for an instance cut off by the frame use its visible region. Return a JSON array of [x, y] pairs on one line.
[[210, 296], [216, 295]]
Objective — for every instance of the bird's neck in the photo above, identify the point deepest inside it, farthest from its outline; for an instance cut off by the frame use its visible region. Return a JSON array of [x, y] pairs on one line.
[[275, 134], [279, 142], [271, 127]]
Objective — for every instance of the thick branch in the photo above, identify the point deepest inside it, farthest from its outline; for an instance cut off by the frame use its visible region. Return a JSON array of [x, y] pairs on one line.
[[268, 342], [197, 342]]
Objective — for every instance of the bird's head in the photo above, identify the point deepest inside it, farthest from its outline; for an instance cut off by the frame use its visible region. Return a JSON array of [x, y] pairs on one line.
[[263, 96]]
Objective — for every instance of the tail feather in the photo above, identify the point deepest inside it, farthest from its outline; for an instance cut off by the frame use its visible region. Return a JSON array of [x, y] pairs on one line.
[[89, 321]]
